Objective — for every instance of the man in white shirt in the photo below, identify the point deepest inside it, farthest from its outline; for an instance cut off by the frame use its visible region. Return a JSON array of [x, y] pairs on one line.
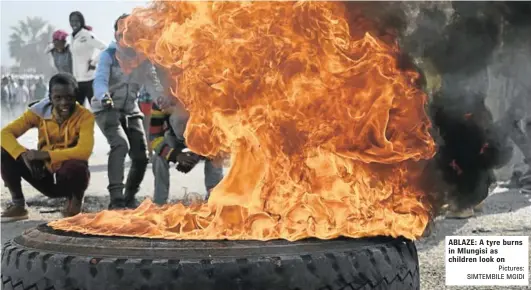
[[22, 94]]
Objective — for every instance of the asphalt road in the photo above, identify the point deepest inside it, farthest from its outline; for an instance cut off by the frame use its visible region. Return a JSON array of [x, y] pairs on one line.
[[506, 213]]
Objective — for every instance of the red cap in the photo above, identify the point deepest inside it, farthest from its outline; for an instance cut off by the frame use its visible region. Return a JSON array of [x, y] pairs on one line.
[[60, 35]]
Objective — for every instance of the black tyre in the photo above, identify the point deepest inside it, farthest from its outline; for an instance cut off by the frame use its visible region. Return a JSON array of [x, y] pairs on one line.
[[42, 259]]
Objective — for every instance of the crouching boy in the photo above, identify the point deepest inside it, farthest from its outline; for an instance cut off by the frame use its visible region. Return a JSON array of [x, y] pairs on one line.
[[167, 125], [59, 168]]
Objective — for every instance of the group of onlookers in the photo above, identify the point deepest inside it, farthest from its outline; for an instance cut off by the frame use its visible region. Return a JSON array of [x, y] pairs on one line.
[[134, 110], [17, 93]]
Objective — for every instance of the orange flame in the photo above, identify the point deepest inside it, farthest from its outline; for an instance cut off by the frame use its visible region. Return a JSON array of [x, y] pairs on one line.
[[323, 130]]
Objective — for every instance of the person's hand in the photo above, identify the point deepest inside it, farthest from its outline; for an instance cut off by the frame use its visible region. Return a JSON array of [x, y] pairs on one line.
[[187, 161], [187, 158], [91, 66], [26, 157], [107, 102], [35, 166]]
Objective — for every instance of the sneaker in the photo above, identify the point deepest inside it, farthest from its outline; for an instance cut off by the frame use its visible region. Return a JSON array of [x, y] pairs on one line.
[[460, 214], [14, 213], [117, 204], [73, 207]]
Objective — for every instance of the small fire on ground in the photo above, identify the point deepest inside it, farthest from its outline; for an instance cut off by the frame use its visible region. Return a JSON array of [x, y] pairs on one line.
[[325, 134]]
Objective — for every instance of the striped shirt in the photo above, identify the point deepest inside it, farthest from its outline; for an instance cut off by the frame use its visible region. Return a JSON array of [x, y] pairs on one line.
[[158, 128]]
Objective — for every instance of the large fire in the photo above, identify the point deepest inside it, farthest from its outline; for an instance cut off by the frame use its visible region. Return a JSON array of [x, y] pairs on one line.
[[324, 132]]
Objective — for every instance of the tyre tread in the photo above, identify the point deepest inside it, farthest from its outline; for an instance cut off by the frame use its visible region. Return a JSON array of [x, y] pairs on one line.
[[369, 268]]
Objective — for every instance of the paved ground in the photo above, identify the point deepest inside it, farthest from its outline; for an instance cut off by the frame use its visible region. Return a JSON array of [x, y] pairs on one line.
[[506, 213]]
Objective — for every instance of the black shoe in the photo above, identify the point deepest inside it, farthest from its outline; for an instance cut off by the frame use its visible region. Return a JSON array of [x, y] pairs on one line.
[[117, 204], [131, 202]]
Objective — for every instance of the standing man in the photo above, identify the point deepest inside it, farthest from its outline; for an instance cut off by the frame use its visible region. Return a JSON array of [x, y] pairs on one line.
[[40, 89], [59, 168], [168, 123], [5, 93], [7, 98], [22, 94], [120, 119]]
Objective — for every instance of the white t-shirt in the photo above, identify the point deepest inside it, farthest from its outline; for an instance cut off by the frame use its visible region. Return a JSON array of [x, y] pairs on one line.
[[22, 94]]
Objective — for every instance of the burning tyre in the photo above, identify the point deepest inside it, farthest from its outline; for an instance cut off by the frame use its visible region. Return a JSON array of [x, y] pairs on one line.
[[43, 258], [326, 133]]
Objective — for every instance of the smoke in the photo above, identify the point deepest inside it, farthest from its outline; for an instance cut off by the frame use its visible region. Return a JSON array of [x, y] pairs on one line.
[[460, 48]]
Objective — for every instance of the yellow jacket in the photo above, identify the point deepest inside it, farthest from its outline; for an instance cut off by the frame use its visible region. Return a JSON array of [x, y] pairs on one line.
[[74, 139]]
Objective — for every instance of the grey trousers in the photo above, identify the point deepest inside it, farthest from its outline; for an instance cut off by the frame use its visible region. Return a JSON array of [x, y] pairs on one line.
[[125, 134], [161, 171], [161, 167]]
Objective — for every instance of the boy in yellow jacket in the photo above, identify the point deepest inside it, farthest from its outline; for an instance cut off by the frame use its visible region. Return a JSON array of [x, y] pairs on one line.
[[66, 140]]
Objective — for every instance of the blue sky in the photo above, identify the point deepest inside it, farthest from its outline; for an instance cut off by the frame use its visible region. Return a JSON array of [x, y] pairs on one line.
[[98, 14]]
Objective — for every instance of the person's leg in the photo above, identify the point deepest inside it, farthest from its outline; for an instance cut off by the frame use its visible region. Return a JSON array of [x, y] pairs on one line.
[[72, 180], [89, 92], [213, 175], [80, 97], [139, 159], [161, 173], [110, 125], [12, 173], [145, 107], [85, 92]]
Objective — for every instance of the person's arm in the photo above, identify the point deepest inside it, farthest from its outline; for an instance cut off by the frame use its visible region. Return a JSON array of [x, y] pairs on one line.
[[52, 62], [101, 79], [84, 146], [15, 129], [49, 48], [98, 46], [49, 55], [95, 42]]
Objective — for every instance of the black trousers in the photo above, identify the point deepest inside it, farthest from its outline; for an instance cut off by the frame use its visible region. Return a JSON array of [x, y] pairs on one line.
[[71, 179], [85, 92]]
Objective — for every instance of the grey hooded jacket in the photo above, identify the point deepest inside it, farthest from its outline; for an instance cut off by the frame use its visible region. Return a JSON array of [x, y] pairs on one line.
[[124, 88]]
